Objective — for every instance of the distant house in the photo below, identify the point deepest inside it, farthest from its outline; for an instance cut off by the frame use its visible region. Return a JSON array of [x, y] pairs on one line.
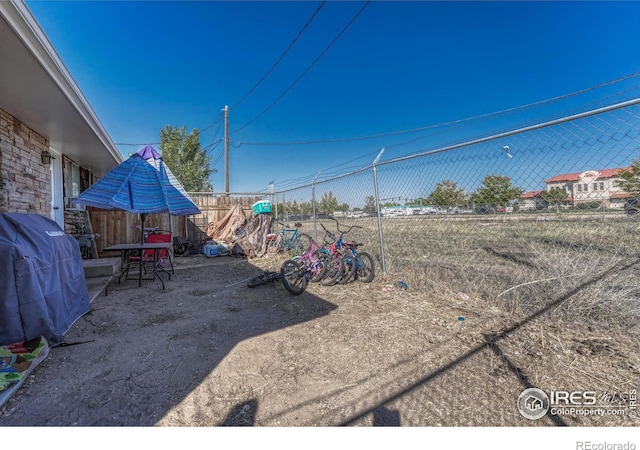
[[532, 200], [52, 145], [591, 186]]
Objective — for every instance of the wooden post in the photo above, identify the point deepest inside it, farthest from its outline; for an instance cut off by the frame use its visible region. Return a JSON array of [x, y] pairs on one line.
[[89, 230]]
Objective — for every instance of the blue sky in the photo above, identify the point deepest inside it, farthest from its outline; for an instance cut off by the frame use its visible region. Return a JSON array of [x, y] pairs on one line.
[[397, 66]]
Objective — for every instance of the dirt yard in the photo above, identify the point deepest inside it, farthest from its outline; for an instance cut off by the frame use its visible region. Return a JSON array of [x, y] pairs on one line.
[[208, 351]]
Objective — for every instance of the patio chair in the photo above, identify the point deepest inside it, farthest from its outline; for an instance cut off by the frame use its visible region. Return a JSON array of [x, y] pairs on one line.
[[165, 260]]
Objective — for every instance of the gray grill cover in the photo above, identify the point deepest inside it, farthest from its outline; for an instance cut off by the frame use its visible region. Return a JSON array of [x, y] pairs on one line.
[[42, 286]]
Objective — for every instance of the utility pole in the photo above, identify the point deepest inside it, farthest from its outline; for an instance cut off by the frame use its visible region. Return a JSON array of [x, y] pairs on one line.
[[226, 149]]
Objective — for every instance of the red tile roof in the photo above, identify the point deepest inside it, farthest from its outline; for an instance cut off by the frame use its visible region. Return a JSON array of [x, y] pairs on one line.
[[531, 194], [604, 173]]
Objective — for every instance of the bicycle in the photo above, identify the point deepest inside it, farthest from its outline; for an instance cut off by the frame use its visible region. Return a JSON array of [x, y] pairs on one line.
[[289, 238], [181, 246], [331, 252], [357, 265], [337, 267], [364, 267], [263, 278], [297, 272]]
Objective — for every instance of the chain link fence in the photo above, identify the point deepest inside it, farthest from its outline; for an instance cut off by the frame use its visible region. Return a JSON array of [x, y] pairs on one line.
[[516, 217]]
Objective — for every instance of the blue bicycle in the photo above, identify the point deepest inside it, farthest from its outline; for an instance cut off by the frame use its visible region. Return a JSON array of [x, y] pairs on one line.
[[357, 265], [289, 238]]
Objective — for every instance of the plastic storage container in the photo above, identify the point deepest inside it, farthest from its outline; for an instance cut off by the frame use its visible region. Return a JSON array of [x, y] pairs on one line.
[[210, 251], [263, 206]]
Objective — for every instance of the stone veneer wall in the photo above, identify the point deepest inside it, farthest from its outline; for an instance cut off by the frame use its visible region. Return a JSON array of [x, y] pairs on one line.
[[25, 183]]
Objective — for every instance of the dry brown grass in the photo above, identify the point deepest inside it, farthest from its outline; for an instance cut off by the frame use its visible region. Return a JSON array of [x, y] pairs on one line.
[[529, 316], [408, 351], [520, 266]]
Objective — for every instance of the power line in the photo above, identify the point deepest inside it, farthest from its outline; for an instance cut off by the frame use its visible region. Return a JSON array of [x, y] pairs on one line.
[[306, 70], [212, 145], [293, 182], [468, 119], [215, 134], [218, 158], [219, 121], [412, 130], [281, 56]]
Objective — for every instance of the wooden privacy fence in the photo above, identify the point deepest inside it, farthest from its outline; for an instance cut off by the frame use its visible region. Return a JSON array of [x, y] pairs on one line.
[[214, 206], [115, 226]]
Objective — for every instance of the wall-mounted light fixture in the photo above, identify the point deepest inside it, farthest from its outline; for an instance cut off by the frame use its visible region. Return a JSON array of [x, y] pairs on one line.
[[46, 157]]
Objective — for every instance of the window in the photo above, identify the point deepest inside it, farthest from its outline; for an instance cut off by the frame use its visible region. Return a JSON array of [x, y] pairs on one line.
[[579, 188], [71, 183], [586, 187], [602, 185], [595, 186]]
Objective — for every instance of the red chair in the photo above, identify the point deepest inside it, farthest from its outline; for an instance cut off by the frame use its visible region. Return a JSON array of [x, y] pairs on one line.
[[165, 256]]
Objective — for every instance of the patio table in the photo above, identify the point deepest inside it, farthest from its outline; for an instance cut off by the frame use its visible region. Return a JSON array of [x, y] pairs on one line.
[[126, 250]]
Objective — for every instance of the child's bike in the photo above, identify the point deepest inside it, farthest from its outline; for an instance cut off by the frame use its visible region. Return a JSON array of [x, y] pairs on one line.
[[264, 278], [296, 273], [357, 265]]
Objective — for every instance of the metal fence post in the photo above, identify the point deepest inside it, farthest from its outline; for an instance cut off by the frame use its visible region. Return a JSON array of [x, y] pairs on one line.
[[377, 194], [313, 205], [273, 197]]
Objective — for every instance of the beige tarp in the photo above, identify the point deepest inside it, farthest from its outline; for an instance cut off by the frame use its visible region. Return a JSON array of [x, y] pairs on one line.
[[251, 240], [224, 229], [242, 236]]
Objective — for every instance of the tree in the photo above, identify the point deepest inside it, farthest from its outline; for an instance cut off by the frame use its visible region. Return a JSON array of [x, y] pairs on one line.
[[188, 162], [555, 196], [305, 207], [629, 180], [288, 207], [446, 195], [328, 203], [497, 191], [370, 205]]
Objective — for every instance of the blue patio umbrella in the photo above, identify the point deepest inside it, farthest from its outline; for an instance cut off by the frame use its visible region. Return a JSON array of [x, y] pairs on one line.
[[139, 186], [178, 196]]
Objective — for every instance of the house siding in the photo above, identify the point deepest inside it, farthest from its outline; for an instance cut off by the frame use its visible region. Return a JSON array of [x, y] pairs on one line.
[[25, 183]]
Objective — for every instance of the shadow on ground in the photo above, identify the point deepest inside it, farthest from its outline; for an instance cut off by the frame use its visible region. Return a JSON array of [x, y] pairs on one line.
[[140, 351]]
